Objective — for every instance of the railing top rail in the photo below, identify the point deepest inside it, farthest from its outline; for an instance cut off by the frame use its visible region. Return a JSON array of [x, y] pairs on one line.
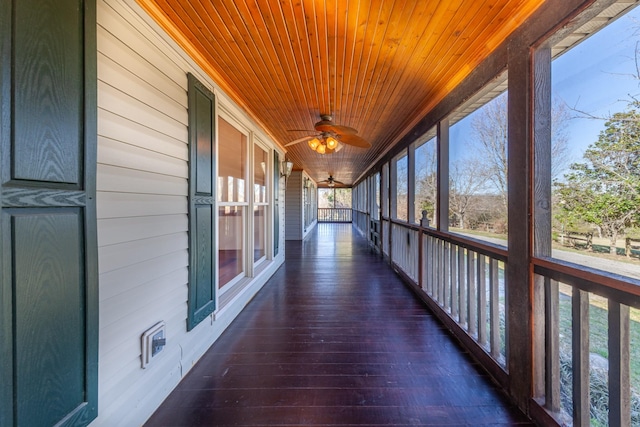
[[470, 243], [619, 288]]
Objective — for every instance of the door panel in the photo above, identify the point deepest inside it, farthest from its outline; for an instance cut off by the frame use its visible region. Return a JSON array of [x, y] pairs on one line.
[[48, 68], [50, 328], [48, 244]]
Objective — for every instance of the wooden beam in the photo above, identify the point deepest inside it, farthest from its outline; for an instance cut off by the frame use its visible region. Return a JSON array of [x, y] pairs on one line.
[[519, 275], [411, 184], [442, 217], [542, 204]]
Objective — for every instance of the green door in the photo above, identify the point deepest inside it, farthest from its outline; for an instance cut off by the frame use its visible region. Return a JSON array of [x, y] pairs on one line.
[[48, 255]]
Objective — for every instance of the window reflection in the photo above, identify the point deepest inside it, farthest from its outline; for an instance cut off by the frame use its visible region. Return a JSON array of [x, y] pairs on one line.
[[232, 179]]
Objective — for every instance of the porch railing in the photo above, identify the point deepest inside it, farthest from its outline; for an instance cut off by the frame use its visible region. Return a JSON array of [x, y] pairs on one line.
[[588, 373], [463, 279], [467, 280], [334, 215], [586, 323]]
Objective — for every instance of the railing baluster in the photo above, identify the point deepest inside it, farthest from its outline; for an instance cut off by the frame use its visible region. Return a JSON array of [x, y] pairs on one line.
[[494, 309], [472, 299], [446, 264], [580, 357], [462, 288], [619, 372], [434, 267], [429, 265], [440, 279], [482, 300], [454, 280], [424, 261], [552, 345], [416, 257]]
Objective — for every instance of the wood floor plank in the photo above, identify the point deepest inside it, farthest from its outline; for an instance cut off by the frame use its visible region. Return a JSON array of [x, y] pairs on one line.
[[335, 338]]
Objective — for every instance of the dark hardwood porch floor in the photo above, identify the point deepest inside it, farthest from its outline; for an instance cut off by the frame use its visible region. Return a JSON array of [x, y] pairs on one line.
[[335, 338]]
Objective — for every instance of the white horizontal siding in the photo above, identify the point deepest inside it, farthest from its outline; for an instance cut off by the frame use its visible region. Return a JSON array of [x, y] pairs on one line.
[[122, 255], [142, 206], [125, 279], [120, 230], [119, 205], [118, 102], [113, 178], [118, 128]]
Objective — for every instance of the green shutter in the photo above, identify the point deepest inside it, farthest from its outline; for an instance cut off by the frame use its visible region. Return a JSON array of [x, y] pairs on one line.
[[202, 297], [48, 244]]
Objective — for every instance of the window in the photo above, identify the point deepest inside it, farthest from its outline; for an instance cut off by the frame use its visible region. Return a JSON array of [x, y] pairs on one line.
[[310, 203], [426, 178], [587, 171], [232, 202], [401, 190], [384, 201], [334, 198], [260, 202], [594, 150], [478, 169], [375, 207]]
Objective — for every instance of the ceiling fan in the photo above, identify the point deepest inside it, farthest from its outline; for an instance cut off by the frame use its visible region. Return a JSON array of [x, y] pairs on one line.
[[331, 181], [329, 137]]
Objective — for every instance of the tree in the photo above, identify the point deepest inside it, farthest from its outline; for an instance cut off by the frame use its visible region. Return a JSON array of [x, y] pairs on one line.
[[605, 190], [334, 198], [490, 129], [466, 180], [426, 180]]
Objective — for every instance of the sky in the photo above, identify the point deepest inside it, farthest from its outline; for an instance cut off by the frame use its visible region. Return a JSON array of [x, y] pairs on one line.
[[594, 77]]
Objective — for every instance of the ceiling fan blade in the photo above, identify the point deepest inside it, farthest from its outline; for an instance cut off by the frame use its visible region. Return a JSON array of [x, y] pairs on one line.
[[306, 138], [329, 126], [339, 183], [354, 140]]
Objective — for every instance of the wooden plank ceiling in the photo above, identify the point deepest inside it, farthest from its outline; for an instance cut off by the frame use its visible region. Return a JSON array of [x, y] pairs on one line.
[[375, 65]]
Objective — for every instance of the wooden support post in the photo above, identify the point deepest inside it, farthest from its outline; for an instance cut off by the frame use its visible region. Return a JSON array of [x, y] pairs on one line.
[[442, 217], [519, 274], [411, 185], [542, 208]]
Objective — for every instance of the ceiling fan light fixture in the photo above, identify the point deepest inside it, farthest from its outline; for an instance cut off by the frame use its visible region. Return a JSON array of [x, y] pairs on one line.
[[313, 143], [332, 143], [321, 148]]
